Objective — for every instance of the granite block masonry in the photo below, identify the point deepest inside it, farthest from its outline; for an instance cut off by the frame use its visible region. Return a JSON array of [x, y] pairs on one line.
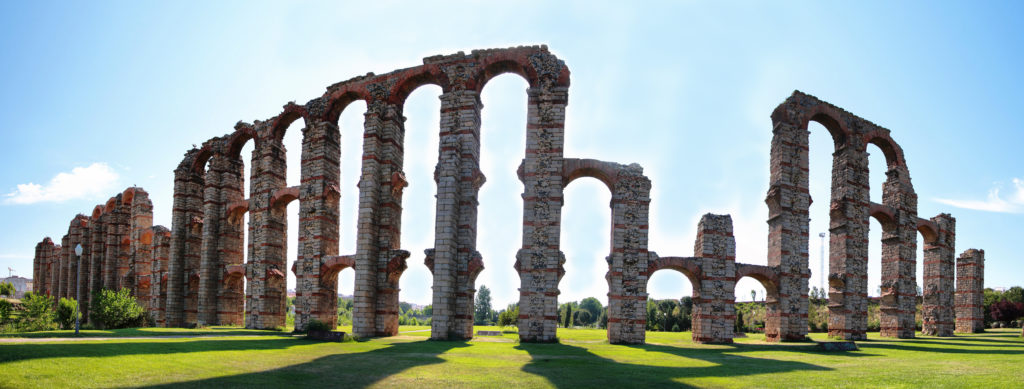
[[199, 272]]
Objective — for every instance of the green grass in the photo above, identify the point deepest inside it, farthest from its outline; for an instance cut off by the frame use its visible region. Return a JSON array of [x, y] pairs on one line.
[[582, 359]]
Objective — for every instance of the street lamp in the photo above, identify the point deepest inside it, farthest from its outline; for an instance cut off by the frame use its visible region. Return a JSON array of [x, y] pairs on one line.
[[78, 287]]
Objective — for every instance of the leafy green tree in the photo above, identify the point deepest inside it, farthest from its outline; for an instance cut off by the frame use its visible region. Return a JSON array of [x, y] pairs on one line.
[[67, 312], [116, 309], [428, 310], [602, 321], [568, 316], [483, 306], [6, 311], [583, 317], [7, 289], [38, 314], [404, 307], [509, 316], [1014, 295], [594, 307]]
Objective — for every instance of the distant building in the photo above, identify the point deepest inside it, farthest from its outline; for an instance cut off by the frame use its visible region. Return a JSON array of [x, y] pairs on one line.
[[21, 285], [999, 289]]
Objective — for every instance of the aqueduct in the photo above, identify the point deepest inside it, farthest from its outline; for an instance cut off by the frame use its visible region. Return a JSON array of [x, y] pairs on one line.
[[194, 273]]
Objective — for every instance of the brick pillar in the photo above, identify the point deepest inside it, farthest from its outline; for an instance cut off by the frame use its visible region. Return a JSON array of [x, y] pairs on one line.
[[937, 308], [97, 251], [714, 314], [266, 270], [111, 257], [628, 261], [540, 259], [160, 251], [458, 179], [231, 291], [364, 299], [899, 257], [56, 261], [210, 269], [140, 220], [391, 259], [37, 280], [788, 201], [187, 200], [141, 245], [848, 244], [82, 263], [970, 292], [124, 229], [316, 294], [65, 268]]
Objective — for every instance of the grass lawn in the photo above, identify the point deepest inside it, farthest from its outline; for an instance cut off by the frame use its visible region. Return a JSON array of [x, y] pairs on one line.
[[582, 359]]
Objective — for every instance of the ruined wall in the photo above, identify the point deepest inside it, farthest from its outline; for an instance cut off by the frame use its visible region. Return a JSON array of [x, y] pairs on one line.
[[193, 273], [970, 294]]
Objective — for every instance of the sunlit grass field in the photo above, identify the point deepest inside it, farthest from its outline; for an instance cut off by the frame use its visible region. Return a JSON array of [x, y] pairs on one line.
[[233, 357]]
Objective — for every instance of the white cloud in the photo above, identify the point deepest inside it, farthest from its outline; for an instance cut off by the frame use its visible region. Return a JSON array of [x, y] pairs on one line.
[[89, 181], [994, 203]]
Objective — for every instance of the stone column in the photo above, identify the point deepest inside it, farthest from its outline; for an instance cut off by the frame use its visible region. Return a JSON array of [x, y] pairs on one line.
[[848, 245], [65, 269], [56, 261], [187, 201], [140, 214], [210, 268], [628, 261], [83, 265], [97, 251], [970, 292], [458, 178], [899, 262], [161, 250], [788, 200], [231, 291], [540, 260], [714, 314], [37, 279], [316, 294], [266, 270], [124, 230], [391, 259], [938, 302], [140, 249], [364, 299]]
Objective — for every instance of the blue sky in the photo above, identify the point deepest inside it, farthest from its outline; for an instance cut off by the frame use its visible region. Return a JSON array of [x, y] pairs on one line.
[[96, 98]]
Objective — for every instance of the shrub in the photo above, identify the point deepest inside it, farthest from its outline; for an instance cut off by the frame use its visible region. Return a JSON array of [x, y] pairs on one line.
[[6, 309], [38, 314], [317, 325], [67, 312], [116, 309], [6, 289]]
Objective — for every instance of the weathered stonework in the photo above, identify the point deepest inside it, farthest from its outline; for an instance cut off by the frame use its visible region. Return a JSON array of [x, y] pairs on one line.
[[970, 281], [938, 302], [193, 274]]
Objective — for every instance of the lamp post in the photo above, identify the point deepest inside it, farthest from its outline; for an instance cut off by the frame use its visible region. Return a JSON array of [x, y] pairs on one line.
[[78, 287]]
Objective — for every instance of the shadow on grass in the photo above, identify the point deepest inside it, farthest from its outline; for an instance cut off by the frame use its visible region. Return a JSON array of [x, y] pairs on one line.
[[349, 370], [145, 331], [23, 351], [568, 366]]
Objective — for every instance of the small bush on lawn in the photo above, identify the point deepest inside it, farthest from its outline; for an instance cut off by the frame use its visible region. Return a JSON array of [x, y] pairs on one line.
[[6, 311], [38, 313], [317, 325], [116, 309], [67, 311]]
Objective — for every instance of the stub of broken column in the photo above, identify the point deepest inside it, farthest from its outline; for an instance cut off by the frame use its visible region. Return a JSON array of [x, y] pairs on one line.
[[970, 295], [714, 313]]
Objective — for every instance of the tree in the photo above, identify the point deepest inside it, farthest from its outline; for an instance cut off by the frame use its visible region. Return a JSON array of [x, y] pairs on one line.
[[483, 306], [1014, 295], [6, 289], [568, 316], [592, 306], [509, 316], [1006, 311], [583, 317]]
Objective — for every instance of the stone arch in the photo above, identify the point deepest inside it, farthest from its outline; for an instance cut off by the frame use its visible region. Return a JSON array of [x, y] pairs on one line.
[[280, 123], [339, 96], [408, 81], [236, 140]]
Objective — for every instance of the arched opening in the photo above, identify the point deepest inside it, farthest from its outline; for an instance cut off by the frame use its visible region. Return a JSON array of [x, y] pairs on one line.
[[878, 166], [670, 297], [350, 125], [346, 292], [873, 272], [500, 211], [821, 148], [292, 141], [422, 110], [586, 242], [756, 298], [240, 222]]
